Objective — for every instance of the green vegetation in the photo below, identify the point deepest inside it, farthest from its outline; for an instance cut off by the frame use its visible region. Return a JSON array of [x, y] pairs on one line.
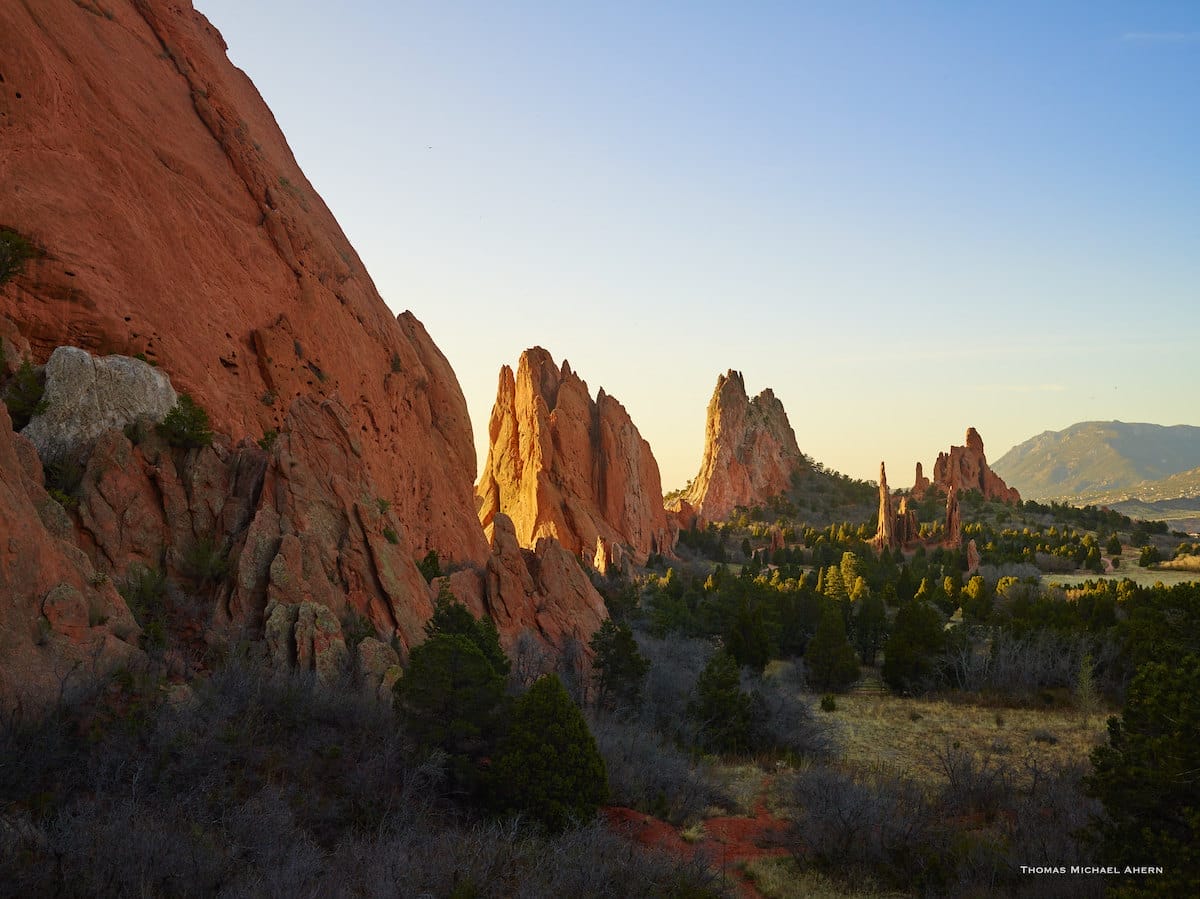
[[548, 766], [724, 713], [620, 668], [450, 617], [430, 566], [267, 442], [15, 251], [24, 395], [186, 425], [830, 658], [1146, 777]]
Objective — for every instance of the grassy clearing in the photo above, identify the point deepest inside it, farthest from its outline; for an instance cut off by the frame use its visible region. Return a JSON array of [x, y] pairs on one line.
[[1143, 577], [783, 878], [904, 734]]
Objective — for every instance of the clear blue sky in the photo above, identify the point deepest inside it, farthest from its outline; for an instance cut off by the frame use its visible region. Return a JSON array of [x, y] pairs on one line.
[[906, 218]]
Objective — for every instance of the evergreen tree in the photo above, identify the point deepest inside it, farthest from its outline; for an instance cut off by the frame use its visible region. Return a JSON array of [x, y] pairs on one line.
[[1113, 547], [450, 699], [851, 570], [186, 425], [1146, 777], [830, 659], [835, 587], [24, 396], [452, 617], [748, 640], [620, 669], [724, 713], [548, 766], [911, 654], [870, 627]]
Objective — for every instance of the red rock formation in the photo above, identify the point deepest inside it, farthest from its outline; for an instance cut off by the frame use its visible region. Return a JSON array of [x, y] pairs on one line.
[[966, 468], [60, 619], [750, 452], [176, 222], [885, 530], [546, 580], [560, 465], [920, 483], [953, 538]]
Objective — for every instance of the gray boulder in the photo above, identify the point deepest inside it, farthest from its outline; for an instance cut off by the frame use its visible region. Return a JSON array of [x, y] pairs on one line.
[[87, 395]]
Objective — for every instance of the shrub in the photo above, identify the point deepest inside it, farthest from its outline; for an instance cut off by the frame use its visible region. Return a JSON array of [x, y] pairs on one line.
[[390, 535], [145, 591], [828, 703], [186, 425], [15, 251], [548, 766], [24, 395], [430, 566], [653, 775], [205, 561], [267, 441]]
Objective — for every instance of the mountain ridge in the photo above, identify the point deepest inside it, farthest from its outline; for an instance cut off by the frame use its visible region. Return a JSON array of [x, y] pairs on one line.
[[1099, 459]]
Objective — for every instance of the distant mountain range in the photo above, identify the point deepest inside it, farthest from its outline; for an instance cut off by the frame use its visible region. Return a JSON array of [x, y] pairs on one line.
[[1106, 462]]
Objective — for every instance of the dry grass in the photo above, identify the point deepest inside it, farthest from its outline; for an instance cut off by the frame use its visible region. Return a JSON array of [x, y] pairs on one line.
[[904, 734], [782, 877], [1143, 577]]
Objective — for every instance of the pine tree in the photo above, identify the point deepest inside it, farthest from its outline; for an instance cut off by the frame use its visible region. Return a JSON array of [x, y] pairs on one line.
[[870, 627], [724, 713], [548, 766], [910, 656], [830, 659], [1146, 777], [450, 699], [620, 669], [748, 640], [452, 617]]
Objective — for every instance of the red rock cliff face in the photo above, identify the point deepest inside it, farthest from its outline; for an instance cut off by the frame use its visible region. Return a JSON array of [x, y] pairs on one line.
[[58, 619], [750, 451], [560, 465], [176, 222], [966, 468]]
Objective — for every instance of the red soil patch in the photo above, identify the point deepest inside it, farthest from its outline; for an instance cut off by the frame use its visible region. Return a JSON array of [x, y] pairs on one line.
[[726, 842]]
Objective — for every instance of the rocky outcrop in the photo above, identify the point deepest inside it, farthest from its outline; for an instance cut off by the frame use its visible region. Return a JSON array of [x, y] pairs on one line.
[[965, 468], [953, 537], [885, 530], [564, 466], [60, 619], [175, 222], [86, 396], [750, 452], [172, 221], [543, 590]]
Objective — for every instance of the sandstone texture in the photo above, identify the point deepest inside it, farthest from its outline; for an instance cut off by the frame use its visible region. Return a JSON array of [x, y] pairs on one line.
[[750, 453], [172, 221], [965, 468], [60, 619], [176, 223], [546, 580], [86, 396], [564, 466]]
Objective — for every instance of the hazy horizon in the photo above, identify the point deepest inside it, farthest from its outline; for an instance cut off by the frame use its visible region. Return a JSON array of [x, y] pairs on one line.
[[904, 220]]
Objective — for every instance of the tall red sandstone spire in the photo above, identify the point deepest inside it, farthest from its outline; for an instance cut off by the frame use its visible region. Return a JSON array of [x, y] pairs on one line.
[[750, 451], [562, 465]]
